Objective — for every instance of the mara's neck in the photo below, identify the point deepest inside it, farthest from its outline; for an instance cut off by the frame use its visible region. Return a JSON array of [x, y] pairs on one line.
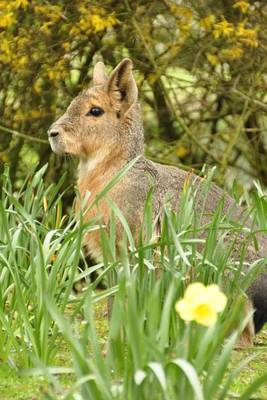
[[95, 172]]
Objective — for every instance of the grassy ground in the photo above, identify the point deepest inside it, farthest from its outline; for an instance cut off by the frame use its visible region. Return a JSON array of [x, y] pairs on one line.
[[17, 387]]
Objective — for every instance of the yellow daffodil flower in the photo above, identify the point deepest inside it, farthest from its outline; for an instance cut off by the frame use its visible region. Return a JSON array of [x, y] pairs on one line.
[[201, 304]]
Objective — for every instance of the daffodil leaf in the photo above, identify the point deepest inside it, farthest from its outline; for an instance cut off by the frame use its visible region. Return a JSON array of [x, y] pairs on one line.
[[139, 376], [159, 373], [191, 375]]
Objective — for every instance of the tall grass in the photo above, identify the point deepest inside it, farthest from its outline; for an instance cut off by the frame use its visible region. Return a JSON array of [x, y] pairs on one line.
[[39, 256], [150, 352]]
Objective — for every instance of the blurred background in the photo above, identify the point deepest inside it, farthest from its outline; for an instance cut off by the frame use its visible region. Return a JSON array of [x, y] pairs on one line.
[[201, 69]]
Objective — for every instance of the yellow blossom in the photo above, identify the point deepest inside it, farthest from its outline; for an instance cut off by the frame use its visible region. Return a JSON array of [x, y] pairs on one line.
[[184, 29], [246, 35], [94, 23], [6, 52], [51, 14], [243, 31], [7, 19], [201, 304], [37, 86], [21, 40], [46, 26], [181, 151], [98, 23], [53, 74], [223, 29], [213, 59], [75, 30], [250, 42], [57, 73], [5, 45], [182, 12], [66, 46], [40, 9], [207, 22], [242, 5], [22, 61], [20, 3], [232, 53]]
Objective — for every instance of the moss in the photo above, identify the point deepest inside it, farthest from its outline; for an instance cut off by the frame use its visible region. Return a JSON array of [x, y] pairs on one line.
[[254, 368], [14, 386], [101, 318]]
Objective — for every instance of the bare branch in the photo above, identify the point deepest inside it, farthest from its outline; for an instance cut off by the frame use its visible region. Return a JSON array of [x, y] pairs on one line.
[[23, 135]]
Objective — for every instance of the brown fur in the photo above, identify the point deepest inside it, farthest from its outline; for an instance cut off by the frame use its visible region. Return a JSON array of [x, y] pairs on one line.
[[94, 182], [105, 143], [246, 339]]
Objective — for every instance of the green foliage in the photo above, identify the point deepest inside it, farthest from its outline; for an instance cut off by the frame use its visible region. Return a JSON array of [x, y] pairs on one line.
[[150, 352], [40, 251]]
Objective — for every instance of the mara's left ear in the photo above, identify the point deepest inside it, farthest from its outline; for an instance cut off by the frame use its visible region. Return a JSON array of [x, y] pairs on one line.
[[99, 74], [121, 84]]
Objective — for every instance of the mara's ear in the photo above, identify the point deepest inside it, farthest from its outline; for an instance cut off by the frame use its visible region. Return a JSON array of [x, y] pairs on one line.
[[121, 84], [99, 74]]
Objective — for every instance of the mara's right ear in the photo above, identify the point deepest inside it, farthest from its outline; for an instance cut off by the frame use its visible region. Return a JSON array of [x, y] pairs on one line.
[[121, 85], [99, 74]]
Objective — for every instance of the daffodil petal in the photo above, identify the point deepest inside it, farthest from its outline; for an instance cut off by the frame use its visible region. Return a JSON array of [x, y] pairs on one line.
[[194, 293], [183, 308], [216, 298]]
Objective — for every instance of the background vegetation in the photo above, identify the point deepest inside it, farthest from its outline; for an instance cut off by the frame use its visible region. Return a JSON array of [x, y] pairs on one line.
[[200, 67]]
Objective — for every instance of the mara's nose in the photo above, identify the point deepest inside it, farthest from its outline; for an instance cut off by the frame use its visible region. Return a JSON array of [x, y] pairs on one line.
[[53, 134]]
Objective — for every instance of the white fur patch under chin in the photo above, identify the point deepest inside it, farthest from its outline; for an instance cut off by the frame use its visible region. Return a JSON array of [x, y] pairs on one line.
[[89, 164]]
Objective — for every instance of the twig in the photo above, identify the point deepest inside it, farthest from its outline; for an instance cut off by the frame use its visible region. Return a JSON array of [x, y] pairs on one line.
[[259, 103], [23, 135], [227, 154]]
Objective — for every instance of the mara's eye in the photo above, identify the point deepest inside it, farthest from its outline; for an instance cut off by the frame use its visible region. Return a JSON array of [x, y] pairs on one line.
[[95, 111]]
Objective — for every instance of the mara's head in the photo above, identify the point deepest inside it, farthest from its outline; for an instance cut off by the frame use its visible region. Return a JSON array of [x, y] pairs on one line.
[[103, 118]]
